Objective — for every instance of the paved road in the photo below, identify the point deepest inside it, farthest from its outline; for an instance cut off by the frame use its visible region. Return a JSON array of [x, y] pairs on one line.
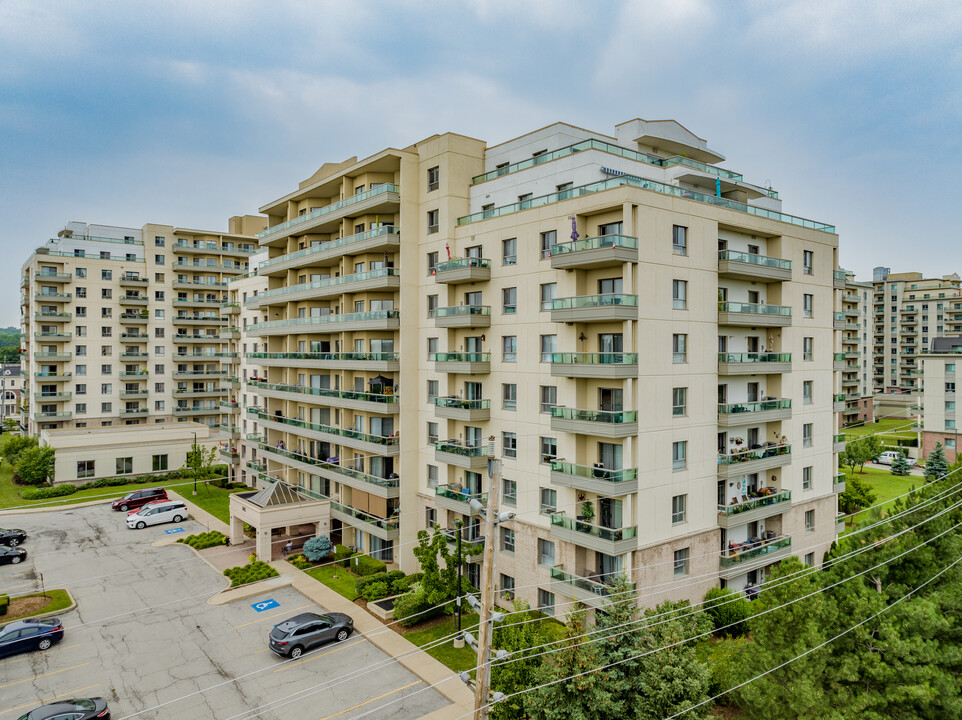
[[144, 637]]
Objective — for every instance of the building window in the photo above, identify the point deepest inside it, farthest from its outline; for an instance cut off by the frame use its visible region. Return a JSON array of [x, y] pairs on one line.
[[810, 559], [679, 455], [158, 259], [85, 469], [679, 240], [432, 390], [681, 562], [106, 407], [158, 332], [81, 389], [807, 392], [509, 444], [807, 435], [432, 262], [509, 251], [432, 221], [549, 346], [679, 400], [679, 348], [432, 476], [808, 349], [507, 587], [507, 540], [159, 463], [509, 348], [106, 294], [81, 408], [106, 312], [808, 302], [549, 500], [679, 505], [509, 297], [106, 274], [509, 492], [430, 517], [509, 396], [432, 432], [159, 369], [81, 311], [432, 305], [810, 521], [808, 262], [546, 602], [434, 177], [549, 291], [158, 241], [125, 465], [549, 398], [679, 294], [81, 350], [807, 478], [106, 369], [159, 313], [158, 404], [549, 449], [949, 443], [81, 292], [545, 552], [548, 241], [106, 388]]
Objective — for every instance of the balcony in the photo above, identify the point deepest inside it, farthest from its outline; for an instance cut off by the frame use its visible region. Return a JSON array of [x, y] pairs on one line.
[[200, 392], [374, 444], [838, 361], [383, 198], [384, 528], [53, 277], [53, 356], [591, 591], [132, 299], [746, 266], [600, 480], [382, 279], [133, 393], [344, 322], [196, 302], [838, 402], [132, 281], [258, 466], [135, 335], [229, 454], [52, 397], [383, 403], [386, 238], [457, 409], [53, 297], [851, 410], [601, 423], [754, 363], [52, 416], [839, 321], [754, 509], [379, 486], [470, 363], [838, 443], [838, 279], [746, 462], [53, 376], [142, 374], [177, 339], [456, 498], [140, 319], [211, 248], [611, 541], [463, 316], [609, 307], [198, 374], [596, 252], [53, 316], [230, 308], [594, 365], [198, 320], [463, 270], [53, 336], [753, 556], [753, 315], [198, 410], [230, 431], [838, 484], [463, 456], [133, 411], [749, 413], [197, 284], [383, 362]]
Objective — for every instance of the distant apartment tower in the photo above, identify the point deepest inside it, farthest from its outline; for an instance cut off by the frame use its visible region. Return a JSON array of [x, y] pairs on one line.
[[938, 397], [11, 386], [855, 356]]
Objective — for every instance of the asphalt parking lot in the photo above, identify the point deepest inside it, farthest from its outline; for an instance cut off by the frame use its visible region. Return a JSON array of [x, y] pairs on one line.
[[144, 637]]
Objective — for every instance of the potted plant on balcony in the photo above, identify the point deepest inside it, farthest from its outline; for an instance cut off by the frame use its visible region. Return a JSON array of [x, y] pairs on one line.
[[587, 515]]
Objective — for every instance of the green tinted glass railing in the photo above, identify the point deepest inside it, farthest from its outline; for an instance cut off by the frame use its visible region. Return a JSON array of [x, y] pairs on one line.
[[389, 440], [733, 557], [200, 282], [93, 255], [382, 523], [587, 301], [459, 357], [329, 282], [751, 407], [462, 310], [760, 260], [344, 357], [612, 534], [459, 404], [332, 467], [754, 308], [839, 316], [41, 396], [53, 296], [566, 152], [463, 450], [453, 492], [593, 358], [602, 416], [838, 438], [460, 263], [52, 276], [740, 456], [720, 172], [594, 473], [51, 335], [330, 245], [43, 315], [328, 209], [327, 320], [839, 397], [755, 503], [212, 303], [327, 392], [598, 586], [595, 243], [230, 304], [653, 185], [52, 415], [838, 357], [839, 274], [52, 356], [178, 373], [754, 357]]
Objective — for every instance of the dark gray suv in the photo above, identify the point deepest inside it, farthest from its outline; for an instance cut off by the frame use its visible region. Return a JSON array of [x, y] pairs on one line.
[[302, 632]]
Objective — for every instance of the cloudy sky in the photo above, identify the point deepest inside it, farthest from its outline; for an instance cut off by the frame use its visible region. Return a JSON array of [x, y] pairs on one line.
[[186, 113]]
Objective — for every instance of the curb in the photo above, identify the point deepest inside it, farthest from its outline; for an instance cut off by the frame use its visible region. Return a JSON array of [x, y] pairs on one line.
[[53, 613], [56, 508], [243, 593]]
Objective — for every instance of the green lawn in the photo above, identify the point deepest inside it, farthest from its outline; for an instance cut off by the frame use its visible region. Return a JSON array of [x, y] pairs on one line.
[[457, 659], [343, 584], [893, 429], [59, 599], [214, 500], [888, 486]]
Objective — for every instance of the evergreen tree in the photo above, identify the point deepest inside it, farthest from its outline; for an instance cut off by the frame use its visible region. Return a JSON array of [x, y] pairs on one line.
[[900, 465], [617, 646], [516, 637], [936, 466], [858, 495]]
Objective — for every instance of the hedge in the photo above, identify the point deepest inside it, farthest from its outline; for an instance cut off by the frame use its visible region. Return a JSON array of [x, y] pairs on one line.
[[341, 554], [361, 564], [249, 573], [4, 604], [203, 540], [42, 493]]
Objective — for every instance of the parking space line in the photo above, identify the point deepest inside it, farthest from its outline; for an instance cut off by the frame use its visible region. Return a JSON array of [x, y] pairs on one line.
[[47, 700], [48, 652], [368, 702], [287, 666], [268, 617], [54, 672]]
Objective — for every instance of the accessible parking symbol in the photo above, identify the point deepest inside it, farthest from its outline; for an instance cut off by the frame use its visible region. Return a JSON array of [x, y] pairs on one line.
[[265, 605]]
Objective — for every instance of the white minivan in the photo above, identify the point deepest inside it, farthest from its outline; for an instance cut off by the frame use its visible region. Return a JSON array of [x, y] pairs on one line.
[[888, 457], [157, 513]]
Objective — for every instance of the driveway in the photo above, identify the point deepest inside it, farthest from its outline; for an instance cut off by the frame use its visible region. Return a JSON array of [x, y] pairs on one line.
[[144, 637]]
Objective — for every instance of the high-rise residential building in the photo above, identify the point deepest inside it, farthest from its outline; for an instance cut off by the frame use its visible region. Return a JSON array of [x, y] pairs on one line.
[[938, 396], [122, 326], [853, 360], [647, 337], [908, 312]]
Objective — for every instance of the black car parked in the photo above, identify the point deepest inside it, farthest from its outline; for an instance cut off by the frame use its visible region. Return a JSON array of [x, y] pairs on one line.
[[12, 537], [23, 635], [302, 632], [12, 555], [75, 709]]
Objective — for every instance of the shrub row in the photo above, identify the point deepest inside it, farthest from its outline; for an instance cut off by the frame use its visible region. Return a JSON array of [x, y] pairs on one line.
[[43, 493], [414, 607], [380, 585], [251, 572], [203, 540]]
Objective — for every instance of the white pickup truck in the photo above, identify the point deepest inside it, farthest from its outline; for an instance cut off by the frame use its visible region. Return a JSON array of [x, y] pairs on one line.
[[888, 457]]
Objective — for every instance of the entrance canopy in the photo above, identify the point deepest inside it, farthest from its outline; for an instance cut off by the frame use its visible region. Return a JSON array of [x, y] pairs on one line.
[[278, 505]]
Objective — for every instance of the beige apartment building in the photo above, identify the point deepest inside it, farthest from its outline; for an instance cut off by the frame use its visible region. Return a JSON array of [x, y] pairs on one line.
[[123, 326], [648, 337], [11, 387], [938, 396], [855, 403]]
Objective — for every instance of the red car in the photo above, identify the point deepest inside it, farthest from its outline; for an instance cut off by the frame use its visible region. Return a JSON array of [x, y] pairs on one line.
[[138, 498]]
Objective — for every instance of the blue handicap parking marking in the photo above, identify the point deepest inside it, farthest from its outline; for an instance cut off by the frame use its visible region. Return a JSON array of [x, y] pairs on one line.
[[174, 530], [265, 605]]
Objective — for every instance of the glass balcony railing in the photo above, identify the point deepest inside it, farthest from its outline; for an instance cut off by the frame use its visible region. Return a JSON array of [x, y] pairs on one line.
[[383, 523], [459, 404], [839, 316], [595, 243], [587, 301], [332, 244], [838, 274], [459, 357], [333, 467], [52, 355], [52, 276], [53, 374], [839, 397], [63, 315], [460, 263], [455, 492], [746, 455], [342, 357], [838, 438], [755, 503], [593, 358], [838, 357], [595, 473], [601, 416], [390, 440], [326, 320], [738, 555], [463, 450], [328, 209], [462, 311], [760, 260], [328, 282], [53, 296], [387, 399], [711, 169], [754, 407], [754, 357], [754, 309], [596, 586], [604, 533]]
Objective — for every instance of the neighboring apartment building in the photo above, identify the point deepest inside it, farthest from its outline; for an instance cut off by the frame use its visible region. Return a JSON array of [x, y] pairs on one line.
[[647, 336], [908, 312], [11, 386], [122, 326], [938, 396], [855, 402]]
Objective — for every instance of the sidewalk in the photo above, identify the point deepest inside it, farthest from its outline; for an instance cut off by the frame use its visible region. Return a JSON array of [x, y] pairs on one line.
[[201, 515]]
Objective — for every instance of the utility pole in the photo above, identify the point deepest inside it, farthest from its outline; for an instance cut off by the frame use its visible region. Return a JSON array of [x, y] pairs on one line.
[[483, 675], [459, 639]]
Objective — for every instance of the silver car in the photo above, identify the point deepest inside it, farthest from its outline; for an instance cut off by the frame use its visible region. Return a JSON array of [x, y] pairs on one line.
[[300, 633]]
